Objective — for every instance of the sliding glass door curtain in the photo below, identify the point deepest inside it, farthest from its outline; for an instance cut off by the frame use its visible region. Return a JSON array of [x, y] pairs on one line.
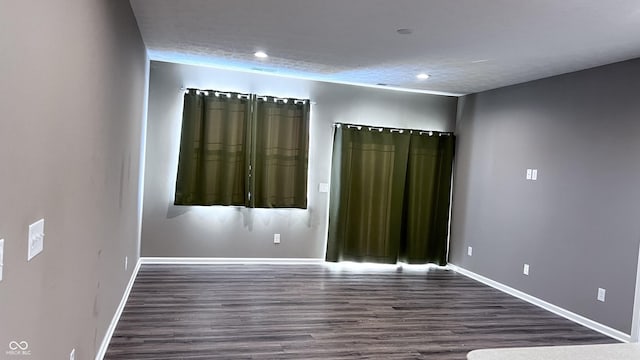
[[390, 195]]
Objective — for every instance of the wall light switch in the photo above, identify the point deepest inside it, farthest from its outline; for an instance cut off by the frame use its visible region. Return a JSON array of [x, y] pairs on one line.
[[1, 257], [36, 239], [529, 174], [601, 294], [276, 238], [534, 174], [470, 251], [525, 270], [323, 187], [126, 263]]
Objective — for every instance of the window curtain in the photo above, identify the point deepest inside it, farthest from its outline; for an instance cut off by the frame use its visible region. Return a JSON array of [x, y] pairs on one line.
[[368, 180], [244, 150], [427, 199], [280, 153], [389, 197], [213, 153]]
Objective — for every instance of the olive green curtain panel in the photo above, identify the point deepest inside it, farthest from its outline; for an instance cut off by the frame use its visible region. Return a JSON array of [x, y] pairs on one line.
[[212, 162], [427, 199], [280, 153], [236, 149], [366, 210], [389, 197]]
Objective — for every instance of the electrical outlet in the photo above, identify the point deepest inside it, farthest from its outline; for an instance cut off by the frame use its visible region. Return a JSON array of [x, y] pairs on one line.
[[36, 239], [72, 354], [470, 251], [525, 270], [534, 174], [276, 238], [601, 294], [529, 174], [1, 257], [126, 263]]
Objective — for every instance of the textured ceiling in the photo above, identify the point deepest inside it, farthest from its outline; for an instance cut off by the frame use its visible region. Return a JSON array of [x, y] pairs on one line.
[[465, 45]]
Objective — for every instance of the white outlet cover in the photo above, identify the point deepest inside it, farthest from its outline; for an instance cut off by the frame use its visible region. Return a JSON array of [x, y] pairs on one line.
[[323, 187], [601, 294], [534, 174], [529, 174], [36, 239], [470, 251], [1, 257], [525, 270], [276, 238]]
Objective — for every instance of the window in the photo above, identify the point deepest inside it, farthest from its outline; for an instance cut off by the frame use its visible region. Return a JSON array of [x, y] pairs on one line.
[[243, 149]]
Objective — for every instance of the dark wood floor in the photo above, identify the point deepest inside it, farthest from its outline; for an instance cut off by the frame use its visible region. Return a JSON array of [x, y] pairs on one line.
[[316, 312]]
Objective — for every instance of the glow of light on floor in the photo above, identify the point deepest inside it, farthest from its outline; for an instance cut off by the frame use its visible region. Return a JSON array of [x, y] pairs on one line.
[[365, 266]]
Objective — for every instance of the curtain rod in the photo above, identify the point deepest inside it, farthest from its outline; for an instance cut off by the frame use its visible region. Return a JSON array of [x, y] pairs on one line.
[[216, 93], [380, 129], [263, 97]]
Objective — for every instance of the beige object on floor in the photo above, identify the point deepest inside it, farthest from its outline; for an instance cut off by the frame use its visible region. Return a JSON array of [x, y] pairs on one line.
[[580, 352]]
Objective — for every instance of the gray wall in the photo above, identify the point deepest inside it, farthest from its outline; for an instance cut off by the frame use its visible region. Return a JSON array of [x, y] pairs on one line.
[[578, 225], [171, 231], [72, 100]]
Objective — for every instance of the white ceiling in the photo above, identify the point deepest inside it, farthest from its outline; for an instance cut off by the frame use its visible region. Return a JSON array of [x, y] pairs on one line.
[[465, 45]]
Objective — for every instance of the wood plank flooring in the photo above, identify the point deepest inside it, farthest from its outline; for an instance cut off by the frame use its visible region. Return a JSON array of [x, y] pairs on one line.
[[319, 312]]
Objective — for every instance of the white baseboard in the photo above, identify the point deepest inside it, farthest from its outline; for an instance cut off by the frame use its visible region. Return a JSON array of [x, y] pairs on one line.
[[603, 329], [635, 320], [214, 260], [116, 317]]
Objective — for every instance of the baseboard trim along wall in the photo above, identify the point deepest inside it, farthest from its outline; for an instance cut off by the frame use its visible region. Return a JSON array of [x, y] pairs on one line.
[[102, 351], [603, 329], [202, 260], [635, 322]]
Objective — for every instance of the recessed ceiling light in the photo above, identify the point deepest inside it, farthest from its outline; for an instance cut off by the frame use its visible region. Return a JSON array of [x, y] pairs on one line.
[[423, 76], [404, 31], [261, 54]]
